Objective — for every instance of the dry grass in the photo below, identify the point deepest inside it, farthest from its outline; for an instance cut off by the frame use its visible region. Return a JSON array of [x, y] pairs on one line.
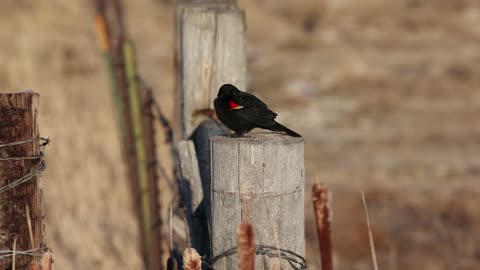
[[386, 94], [370, 235], [47, 261]]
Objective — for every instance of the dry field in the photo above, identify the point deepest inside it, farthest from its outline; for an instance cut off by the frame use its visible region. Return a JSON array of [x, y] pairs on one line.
[[386, 93]]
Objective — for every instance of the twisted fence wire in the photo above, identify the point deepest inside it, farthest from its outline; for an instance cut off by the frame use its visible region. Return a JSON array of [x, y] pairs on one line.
[[296, 261], [44, 141], [38, 169], [159, 115], [35, 252]]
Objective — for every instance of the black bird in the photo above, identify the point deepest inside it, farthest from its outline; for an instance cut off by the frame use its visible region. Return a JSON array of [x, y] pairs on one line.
[[242, 112]]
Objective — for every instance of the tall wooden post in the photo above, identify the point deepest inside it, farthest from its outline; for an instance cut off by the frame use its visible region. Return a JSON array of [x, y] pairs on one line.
[[19, 123], [260, 180], [210, 52], [211, 44]]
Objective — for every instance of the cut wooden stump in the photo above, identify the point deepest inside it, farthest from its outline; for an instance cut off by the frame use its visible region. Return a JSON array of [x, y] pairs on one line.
[[262, 180]]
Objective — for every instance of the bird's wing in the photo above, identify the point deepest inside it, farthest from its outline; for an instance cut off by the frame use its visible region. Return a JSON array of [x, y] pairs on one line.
[[252, 109]]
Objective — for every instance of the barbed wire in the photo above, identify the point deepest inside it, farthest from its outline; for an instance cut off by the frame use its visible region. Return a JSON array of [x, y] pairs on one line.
[[38, 169], [296, 261], [35, 252]]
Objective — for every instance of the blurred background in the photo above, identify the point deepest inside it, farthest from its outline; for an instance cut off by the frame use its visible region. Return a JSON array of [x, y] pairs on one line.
[[386, 94]]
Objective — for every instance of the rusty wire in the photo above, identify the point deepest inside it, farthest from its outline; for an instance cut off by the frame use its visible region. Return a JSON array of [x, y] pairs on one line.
[[29, 176]]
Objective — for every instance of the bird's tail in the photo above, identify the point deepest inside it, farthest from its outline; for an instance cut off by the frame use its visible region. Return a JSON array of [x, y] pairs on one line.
[[279, 127]]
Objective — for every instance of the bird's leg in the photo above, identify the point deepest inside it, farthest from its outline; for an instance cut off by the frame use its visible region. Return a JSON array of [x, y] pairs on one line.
[[243, 134], [233, 135]]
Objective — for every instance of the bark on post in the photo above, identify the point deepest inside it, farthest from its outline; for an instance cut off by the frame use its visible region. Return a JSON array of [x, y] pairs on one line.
[[19, 122], [260, 180]]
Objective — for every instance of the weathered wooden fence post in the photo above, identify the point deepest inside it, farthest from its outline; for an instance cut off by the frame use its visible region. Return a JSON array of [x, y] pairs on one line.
[[20, 159], [260, 180], [211, 42], [210, 52]]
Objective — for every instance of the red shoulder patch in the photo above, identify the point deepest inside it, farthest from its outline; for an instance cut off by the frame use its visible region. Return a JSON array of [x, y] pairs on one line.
[[233, 105]]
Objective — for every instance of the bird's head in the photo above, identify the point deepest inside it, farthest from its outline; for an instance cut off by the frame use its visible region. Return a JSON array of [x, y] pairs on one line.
[[226, 89]]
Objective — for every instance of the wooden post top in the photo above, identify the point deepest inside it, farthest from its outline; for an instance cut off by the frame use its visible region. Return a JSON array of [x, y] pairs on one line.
[[258, 178], [259, 138]]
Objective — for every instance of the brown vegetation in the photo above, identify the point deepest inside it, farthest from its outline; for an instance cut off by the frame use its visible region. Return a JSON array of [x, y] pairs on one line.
[[246, 246], [191, 260], [323, 213], [385, 93]]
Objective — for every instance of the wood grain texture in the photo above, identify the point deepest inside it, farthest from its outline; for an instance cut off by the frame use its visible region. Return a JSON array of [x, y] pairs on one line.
[[211, 53], [260, 180], [18, 122]]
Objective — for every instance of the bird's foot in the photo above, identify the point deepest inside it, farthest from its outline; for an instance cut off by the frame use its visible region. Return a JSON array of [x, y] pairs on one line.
[[232, 135]]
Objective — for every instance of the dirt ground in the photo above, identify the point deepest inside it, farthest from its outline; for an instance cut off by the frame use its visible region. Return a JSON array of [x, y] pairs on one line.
[[386, 94]]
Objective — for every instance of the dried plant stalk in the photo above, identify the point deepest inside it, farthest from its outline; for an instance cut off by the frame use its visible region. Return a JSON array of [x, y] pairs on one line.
[[370, 235], [29, 222], [14, 259], [191, 260], [47, 261], [321, 199], [246, 246]]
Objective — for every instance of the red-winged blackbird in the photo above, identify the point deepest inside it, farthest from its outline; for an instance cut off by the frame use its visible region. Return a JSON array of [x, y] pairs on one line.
[[242, 112]]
